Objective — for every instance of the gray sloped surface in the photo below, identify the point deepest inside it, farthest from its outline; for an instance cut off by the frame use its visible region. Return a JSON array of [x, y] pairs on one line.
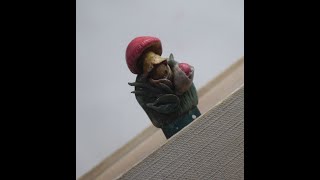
[[212, 147]]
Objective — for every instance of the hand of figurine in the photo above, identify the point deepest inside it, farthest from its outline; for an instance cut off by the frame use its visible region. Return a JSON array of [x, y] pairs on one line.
[[167, 103], [164, 84], [158, 97], [146, 89]]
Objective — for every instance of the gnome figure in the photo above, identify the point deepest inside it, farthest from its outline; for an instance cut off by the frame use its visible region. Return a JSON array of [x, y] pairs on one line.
[[164, 88]]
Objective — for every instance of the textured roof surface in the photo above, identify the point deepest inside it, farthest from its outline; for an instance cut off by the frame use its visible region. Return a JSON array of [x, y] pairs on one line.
[[212, 147]]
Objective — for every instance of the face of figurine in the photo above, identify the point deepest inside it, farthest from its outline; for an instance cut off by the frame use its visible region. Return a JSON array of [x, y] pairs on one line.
[[156, 67], [161, 71]]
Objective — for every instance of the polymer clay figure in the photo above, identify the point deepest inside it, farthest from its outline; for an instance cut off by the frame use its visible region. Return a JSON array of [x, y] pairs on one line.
[[164, 88]]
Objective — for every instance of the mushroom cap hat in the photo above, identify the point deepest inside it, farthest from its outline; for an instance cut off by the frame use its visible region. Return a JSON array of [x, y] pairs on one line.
[[137, 47]]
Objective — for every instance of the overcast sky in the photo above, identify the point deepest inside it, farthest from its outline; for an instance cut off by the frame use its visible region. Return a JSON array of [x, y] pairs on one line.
[[207, 34]]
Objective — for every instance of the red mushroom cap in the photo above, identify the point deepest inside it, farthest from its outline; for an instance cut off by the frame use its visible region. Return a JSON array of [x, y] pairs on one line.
[[137, 47]]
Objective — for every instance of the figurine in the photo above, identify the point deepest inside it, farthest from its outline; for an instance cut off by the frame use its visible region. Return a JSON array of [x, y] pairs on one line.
[[164, 88]]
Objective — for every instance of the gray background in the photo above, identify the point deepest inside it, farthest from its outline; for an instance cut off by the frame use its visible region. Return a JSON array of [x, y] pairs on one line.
[[207, 34]]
